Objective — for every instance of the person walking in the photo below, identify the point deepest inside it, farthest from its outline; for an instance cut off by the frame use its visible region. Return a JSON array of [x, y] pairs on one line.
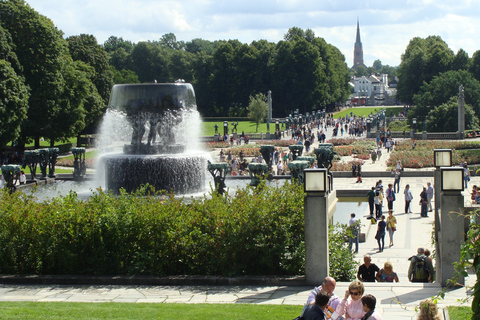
[[429, 196], [371, 201], [354, 226], [396, 184], [380, 236], [408, 198], [390, 194], [424, 202], [391, 226]]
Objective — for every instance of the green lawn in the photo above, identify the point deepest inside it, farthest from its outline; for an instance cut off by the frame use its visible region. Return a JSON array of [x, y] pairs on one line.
[[132, 311], [208, 127], [365, 111], [460, 313]]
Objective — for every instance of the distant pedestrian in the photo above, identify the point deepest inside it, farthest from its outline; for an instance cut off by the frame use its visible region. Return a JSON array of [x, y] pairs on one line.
[[367, 271], [391, 226], [429, 196], [420, 269], [396, 184], [387, 274], [371, 201], [408, 198], [380, 236], [424, 203], [390, 194], [359, 173], [354, 227]]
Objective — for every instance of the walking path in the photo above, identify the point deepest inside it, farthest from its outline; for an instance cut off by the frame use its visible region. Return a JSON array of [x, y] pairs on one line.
[[394, 300]]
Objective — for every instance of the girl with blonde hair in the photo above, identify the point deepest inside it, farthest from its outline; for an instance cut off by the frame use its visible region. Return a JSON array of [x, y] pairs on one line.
[[428, 310]]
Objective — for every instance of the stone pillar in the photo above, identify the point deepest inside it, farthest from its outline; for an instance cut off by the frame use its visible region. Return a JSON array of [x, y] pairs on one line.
[[461, 113], [451, 235], [316, 238], [437, 196]]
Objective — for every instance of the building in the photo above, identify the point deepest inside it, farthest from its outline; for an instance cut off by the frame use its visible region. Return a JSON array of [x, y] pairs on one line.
[[358, 50], [372, 91]]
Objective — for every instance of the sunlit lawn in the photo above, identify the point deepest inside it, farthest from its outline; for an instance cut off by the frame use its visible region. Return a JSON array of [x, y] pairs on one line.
[[132, 311], [460, 313], [365, 111], [208, 127]]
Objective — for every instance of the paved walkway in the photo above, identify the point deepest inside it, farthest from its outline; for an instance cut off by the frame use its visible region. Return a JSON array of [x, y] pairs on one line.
[[394, 300]]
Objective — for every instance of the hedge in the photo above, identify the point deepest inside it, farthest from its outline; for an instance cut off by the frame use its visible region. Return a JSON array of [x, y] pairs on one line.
[[252, 232]]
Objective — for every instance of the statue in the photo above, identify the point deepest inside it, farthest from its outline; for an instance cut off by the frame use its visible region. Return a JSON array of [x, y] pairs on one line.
[[216, 128], [257, 171], [30, 159], [218, 172], [461, 92], [266, 152], [296, 168], [9, 173], [79, 164], [296, 150]]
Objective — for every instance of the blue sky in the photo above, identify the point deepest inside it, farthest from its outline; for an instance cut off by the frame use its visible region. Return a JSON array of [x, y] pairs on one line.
[[386, 26]]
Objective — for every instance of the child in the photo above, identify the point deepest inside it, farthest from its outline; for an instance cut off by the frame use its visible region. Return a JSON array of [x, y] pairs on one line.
[[369, 302], [428, 310]]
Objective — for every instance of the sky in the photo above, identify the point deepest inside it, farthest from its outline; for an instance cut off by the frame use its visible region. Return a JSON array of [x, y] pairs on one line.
[[386, 27]]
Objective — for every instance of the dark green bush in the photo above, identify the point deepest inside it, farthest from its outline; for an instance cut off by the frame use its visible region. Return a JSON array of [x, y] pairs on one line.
[[253, 232]]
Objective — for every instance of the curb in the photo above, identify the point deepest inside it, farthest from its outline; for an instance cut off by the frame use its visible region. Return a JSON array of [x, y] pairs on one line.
[[152, 281]]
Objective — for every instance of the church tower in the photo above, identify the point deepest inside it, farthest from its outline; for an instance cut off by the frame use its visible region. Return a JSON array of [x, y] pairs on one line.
[[358, 50]]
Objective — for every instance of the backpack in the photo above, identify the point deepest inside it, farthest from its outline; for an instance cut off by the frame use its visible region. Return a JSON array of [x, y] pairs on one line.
[[420, 270]]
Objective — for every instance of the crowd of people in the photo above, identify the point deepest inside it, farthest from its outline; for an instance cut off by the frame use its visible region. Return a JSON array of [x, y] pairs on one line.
[[322, 303]]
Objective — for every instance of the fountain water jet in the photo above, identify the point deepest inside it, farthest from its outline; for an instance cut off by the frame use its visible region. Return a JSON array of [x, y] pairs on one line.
[[156, 126]]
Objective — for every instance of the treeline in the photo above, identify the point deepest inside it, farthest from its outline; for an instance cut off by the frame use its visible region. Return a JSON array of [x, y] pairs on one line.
[[429, 77], [54, 88], [302, 71]]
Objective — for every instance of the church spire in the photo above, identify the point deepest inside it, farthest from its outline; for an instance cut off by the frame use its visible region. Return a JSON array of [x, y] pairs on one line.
[[358, 50], [358, 41]]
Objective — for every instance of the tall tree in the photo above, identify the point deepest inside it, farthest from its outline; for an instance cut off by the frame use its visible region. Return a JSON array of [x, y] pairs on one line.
[[444, 118], [442, 88], [41, 50], [85, 48], [257, 109], [13, 103], [423, 59]]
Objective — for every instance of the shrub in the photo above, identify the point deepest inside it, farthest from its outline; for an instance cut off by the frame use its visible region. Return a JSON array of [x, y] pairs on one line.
[[253, 232]]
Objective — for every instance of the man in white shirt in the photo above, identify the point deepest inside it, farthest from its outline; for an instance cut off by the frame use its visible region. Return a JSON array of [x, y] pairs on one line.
[[279, 168], [353, 225], [429, 196]]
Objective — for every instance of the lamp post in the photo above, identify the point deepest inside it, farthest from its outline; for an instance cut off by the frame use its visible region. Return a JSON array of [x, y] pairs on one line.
[[414, 131], [452, 226], [316, 225], [441, 158]]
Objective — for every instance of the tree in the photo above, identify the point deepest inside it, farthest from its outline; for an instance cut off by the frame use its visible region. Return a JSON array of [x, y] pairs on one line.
[[42, 52], [461, 61], [85, 48], [114, 43], [170, 40], [444, 118], [124, 76], [423, 59], [377, 65], [444, 86], [13, 103], [257, 109]]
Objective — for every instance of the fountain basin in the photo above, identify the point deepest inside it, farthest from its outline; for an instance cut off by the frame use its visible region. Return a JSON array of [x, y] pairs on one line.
[[179, 173]]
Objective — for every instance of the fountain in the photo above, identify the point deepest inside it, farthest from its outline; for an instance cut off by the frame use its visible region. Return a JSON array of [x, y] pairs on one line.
[[163, 158]]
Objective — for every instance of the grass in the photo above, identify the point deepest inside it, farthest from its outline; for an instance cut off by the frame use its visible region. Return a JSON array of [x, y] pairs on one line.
[[132, 311], [365, 111], [460, 313], [208, 127]]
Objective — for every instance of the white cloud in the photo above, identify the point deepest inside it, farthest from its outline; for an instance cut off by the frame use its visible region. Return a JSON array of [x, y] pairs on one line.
[[386, 27]]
